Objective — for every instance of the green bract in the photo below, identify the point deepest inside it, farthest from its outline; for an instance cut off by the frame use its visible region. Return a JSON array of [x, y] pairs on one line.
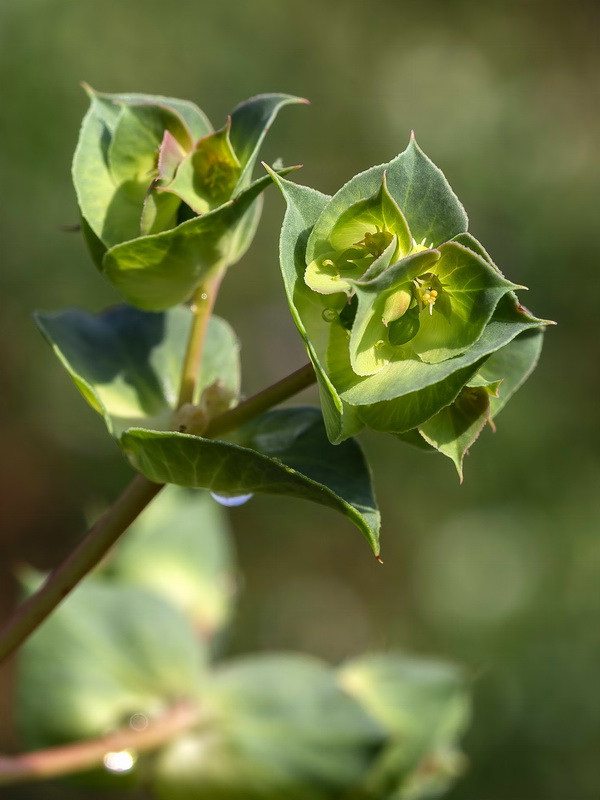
[[401, 309], [164, 198]]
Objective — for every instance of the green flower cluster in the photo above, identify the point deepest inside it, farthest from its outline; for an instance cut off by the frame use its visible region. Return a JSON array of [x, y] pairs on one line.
[[411, 327], [164, 198]]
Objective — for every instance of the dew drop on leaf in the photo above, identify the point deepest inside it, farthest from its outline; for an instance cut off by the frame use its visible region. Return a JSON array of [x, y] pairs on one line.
[[231, 500]]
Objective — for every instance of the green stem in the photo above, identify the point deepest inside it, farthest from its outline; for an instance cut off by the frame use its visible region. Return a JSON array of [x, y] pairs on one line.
[[79, 756], [202, 306], [88, 553], [114, 522], [261, 402]]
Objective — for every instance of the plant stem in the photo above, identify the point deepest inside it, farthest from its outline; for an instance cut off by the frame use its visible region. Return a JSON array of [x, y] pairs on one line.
[[115, 521], [202, 306], [258, 403], [78, 756], [86, 555]]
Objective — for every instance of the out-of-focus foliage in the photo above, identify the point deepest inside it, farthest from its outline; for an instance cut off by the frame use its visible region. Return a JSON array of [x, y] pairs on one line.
[[501, 573], [122, 650]]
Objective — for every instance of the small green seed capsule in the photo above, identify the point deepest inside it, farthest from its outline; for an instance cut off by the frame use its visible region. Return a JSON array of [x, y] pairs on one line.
[[404, 329], [396, 306]]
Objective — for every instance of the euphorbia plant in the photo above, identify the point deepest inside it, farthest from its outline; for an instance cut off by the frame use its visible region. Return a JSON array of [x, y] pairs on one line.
[[410, 329], [410, 326]]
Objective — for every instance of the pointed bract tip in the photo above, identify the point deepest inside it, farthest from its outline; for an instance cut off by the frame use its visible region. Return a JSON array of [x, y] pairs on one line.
[[379, 559], [412, 136], [275, 172], [87, 88]]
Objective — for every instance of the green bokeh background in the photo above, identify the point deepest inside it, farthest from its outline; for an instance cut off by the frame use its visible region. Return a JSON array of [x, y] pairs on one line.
[[502, 573]]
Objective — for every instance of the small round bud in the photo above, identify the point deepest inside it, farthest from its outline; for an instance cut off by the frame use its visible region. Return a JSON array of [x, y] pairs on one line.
[[396, 305]]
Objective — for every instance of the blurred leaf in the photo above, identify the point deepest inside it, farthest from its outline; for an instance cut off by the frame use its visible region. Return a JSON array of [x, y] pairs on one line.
[[455, 428], [180, 548], [282, 729], [127, 363], [424, 707], [106, 653], [284, 452], [157, 272]]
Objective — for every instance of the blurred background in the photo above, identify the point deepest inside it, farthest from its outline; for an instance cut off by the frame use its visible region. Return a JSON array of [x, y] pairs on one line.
[[501, 573]]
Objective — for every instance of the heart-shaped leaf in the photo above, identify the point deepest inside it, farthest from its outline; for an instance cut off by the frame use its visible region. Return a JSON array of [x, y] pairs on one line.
[[127, 363], [285, 451], [283, 728]]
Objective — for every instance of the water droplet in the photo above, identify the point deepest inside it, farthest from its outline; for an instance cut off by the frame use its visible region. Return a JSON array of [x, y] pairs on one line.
[[204, 296], [121, 761], [231, 500], [329, 314], [139, 722]]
